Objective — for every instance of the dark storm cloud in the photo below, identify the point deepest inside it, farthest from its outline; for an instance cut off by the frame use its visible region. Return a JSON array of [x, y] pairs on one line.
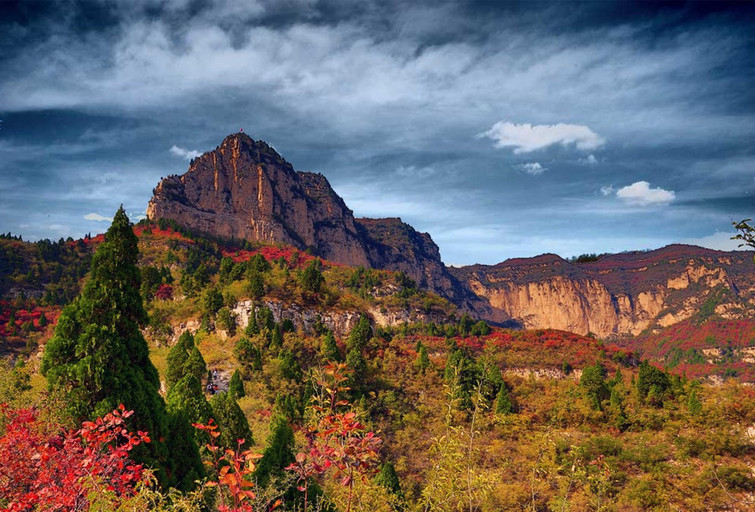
[[502, 128]]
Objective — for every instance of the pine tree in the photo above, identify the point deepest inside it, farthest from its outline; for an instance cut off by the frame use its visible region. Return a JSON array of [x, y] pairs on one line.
[[256, 285], [329, 348], [503, 404], [276, 341], [231, 422], [236, 385], [388, 478], [195, 364], [98, 357], [423, 360], [289, 366], [693, 403], [279, 452], [358, 366], [176, 360], [42, 320], [187, 396], [360, 334], [311, 279]]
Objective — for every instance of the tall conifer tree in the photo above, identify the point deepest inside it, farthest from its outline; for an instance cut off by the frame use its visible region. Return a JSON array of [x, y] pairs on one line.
[[98, 357]]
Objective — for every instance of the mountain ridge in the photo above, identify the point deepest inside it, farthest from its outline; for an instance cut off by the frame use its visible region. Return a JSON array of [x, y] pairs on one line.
[[244, 189]]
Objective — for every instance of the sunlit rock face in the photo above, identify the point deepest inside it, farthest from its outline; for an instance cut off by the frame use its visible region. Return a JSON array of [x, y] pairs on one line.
[[620, 294]]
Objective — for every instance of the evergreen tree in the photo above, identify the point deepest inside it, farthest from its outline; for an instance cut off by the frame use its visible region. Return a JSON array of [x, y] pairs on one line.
[[231, 422], [226, 320], [651, 380], [251, 328], [693, 403], [276, 341], [358, 366], [176, 359], [187, 397], [256, 285], [329, 348], [594, 383], [423, 360], [503, 404], [311, 279], [236, 385], [388, 478], [258, 264], [186, 464], [212, 301], [195, 364], [99, 359], [42, 320], [289, 366], [279, 452], [360, 334]]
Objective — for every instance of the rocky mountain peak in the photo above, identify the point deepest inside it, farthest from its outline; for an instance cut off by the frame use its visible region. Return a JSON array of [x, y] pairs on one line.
[[244, 189]]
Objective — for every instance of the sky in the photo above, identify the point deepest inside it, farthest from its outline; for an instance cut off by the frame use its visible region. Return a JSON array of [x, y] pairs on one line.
[[503, 129]]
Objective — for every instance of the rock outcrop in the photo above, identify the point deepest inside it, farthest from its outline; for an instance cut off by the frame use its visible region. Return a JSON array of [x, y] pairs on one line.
[[244, 189], [618, 294]]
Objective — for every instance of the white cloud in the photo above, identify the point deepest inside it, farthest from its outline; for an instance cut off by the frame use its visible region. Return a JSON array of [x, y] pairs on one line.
[[525, 138], [188, 154], [640, 194], [589, 160], [97, 217], [607, 191], [533, 168]]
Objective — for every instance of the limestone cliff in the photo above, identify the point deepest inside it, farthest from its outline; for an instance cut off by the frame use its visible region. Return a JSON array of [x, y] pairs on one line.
[[244, 189], [618, 294]]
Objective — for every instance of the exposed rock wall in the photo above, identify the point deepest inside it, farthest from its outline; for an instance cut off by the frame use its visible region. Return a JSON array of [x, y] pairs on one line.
[[243, 189], [619, 294]]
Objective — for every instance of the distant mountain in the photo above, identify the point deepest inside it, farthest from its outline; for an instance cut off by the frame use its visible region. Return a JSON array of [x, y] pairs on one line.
[[619, 294]]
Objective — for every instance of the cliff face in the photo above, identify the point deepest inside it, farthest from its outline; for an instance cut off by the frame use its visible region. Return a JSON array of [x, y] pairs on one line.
[[244, 189], [618, 294]]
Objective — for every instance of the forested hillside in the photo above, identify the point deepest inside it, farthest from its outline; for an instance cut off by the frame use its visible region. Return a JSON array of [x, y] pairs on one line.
[[357, 390]]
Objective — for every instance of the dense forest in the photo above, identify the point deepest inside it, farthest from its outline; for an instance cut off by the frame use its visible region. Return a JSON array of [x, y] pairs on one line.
[[154, 369]]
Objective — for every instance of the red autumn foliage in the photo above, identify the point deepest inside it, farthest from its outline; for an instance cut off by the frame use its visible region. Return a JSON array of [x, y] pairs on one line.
[[337, 442], [41, 470], [23, 315], [155, 231], [234, 470], [164, 292]]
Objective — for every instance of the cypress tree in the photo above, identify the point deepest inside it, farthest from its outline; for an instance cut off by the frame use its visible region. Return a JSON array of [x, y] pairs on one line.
[[503, 403], [231, 421], [279, 452], [98, 357], [422, 361], [176, 362], [187, 397], [277, 339], [236, 385], [360, 334], [195, 365], [256, 285], [329, 349], [388, 478]]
